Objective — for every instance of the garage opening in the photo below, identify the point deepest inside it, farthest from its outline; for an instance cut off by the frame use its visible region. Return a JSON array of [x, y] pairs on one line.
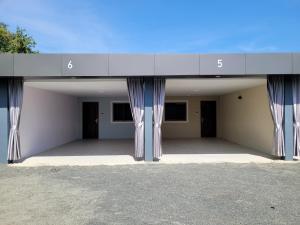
[[76, 122], [89, 122], [217, 120]]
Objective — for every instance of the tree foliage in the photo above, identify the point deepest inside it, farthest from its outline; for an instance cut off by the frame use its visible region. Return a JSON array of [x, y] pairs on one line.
[[15, 42]]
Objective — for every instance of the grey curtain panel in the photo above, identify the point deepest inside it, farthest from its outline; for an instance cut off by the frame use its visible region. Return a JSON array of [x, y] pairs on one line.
[[15, 95], [276, 99], [296, 107], [136, 98], [158, 109]]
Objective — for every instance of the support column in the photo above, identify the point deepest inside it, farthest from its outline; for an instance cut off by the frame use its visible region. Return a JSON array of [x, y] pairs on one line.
[[4, 119], [288, 118], [148, 94]]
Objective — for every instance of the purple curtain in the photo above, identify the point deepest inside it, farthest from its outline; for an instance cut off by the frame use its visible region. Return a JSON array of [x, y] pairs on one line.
[[296, 107], [136, 98], [15, 95], [276, 99], [158, 109]]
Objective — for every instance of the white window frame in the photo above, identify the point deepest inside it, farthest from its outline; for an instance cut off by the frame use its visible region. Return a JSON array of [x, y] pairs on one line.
[[111, 112], [187, 111]]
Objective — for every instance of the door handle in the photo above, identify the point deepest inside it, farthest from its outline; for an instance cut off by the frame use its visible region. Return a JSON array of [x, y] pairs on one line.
[[96, 120]]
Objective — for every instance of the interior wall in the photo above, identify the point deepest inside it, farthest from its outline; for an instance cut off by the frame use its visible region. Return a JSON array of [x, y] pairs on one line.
[[192, 128], [48, 119], [247, 121], [108, 129]]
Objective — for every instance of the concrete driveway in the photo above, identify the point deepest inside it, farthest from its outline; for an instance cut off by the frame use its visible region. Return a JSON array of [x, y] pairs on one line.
[[120, 152], [151, 194]]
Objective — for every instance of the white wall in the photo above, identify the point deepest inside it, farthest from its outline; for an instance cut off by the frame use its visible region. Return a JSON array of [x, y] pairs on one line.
[[248, 121], [48, 119]]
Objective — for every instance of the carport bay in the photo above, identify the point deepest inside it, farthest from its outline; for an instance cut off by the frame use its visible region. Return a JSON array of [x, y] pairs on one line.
[[53, 112], [187, 69]]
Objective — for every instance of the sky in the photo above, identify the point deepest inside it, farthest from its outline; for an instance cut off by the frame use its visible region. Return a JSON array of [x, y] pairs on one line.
[[157, 26]]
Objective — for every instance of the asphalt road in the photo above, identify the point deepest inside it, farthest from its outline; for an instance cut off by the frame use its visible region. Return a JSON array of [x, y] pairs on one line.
[[151, 194]]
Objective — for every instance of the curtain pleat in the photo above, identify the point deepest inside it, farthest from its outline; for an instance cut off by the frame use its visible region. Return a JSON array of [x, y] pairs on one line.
[[135, 88], [275, 86], [15, 95], [158, 109], [296, 107]]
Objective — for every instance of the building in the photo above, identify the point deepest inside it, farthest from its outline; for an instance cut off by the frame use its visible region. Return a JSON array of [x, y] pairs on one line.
[[249, 99]]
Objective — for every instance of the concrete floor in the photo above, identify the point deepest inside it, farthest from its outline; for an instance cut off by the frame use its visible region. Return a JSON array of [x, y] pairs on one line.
[[119, 152]]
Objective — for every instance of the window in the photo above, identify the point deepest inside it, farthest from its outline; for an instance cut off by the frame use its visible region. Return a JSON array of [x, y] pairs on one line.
[[176, 111], [121, 112]]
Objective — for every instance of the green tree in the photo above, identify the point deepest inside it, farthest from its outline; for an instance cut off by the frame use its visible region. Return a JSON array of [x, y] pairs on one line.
[[15, 42]]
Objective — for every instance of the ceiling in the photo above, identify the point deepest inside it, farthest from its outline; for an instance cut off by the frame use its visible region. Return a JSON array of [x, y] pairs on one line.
[[83, 87], [117, 87], [210, 86]]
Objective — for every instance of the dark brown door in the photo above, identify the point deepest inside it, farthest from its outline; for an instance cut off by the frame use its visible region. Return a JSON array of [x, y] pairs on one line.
[[208, 119], [90, 115]]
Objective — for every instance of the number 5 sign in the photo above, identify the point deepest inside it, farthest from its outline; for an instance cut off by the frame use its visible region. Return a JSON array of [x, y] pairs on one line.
[[220, 63]]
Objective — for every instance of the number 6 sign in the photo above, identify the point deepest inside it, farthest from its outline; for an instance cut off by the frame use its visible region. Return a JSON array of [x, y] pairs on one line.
[[70, 65]]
